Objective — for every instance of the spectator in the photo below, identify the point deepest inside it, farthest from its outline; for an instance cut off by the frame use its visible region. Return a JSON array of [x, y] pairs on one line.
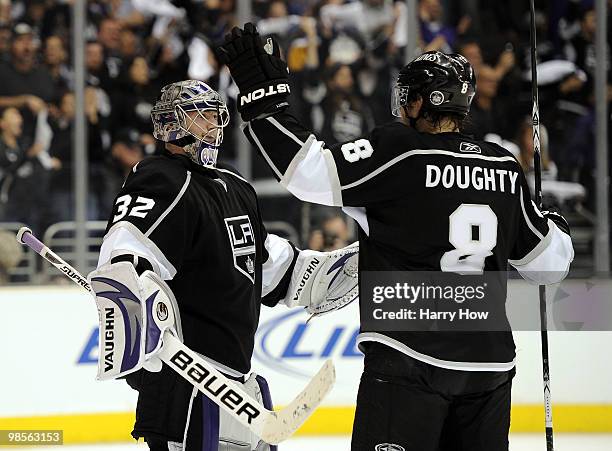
[[134, 102], [342, 116], [24, 180], [211, 18], [62, 194], [487, 114], [25, 85], [435, 34], [170, 63], [55, 59], [279, 24], [332, 234], [369, 17], [581, 50], [126, 12], [127, 151], [97, 71], [470, 48], [129, 45], [109, 35], [473, 53]]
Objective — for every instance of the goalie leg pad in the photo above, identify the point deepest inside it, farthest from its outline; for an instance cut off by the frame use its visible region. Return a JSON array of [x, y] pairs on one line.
[[133, 312], [216, 430], [233, 436]]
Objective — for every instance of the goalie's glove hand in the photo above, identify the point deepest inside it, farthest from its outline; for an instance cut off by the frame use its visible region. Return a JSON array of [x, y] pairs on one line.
[[258, 70], [325, 281], [558, 219]]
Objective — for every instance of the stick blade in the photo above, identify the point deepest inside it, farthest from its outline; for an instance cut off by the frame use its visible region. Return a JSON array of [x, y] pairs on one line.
[[285, 422]]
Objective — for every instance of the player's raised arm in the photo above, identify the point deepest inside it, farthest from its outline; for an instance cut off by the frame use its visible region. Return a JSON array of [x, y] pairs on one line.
[[338, 175]]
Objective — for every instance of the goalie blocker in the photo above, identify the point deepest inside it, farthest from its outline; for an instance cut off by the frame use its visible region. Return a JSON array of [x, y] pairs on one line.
[[134, 312]]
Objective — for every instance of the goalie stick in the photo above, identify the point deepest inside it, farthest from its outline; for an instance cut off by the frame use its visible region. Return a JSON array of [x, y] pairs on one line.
[[537, 166], [271, 426]]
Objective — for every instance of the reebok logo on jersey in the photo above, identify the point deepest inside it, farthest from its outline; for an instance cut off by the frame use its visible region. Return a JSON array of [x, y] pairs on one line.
[[242, 241], [469, 147]]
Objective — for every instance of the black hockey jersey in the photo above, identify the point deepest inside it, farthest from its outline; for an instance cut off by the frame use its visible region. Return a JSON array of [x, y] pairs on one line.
[[202, 231], [424, 202]]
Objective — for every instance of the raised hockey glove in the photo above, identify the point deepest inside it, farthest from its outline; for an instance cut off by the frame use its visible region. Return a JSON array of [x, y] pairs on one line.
[[258, 70], [558, 219]]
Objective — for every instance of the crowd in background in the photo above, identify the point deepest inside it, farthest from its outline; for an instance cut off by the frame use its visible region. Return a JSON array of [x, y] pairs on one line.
[[343, 56]]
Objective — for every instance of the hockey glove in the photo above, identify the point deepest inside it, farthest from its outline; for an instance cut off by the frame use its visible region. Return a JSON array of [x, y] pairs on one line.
[[324, 281], [558, 219], [259, 72]]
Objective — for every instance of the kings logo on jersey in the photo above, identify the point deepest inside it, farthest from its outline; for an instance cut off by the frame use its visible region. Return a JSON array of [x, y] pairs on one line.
[[242, 240]]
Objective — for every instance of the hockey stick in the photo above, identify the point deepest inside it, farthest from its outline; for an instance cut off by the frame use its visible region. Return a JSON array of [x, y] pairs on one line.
[[537, 165], [271, 426]]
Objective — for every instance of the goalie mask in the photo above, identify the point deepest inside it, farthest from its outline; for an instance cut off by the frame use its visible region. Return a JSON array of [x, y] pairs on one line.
[[191, 115], [446, 82]]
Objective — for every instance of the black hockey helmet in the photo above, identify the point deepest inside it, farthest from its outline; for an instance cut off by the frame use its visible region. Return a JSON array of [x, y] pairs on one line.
[[446, 82]]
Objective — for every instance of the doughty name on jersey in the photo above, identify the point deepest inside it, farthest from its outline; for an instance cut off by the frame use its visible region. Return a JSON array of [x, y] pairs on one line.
[[476, 177]]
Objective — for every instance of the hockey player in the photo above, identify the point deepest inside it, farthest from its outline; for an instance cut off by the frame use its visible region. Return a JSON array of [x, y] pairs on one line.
[[195, 228], [426, 198]]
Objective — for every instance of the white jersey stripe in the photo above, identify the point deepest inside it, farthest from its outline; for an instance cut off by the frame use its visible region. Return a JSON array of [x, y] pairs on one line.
[[411, 153], [231, 173], [284, 130], [448, 364], [171, 206], [263, 152], [527, 220]]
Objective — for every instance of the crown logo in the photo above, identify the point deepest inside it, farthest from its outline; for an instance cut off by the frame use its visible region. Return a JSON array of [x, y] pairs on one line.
[[249, 265]]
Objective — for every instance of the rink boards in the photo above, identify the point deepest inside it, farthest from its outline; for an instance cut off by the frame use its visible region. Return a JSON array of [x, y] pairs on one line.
[[49, 349]]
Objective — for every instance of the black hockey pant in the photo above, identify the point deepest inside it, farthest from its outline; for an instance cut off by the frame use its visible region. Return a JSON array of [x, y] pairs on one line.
[[407, 405]]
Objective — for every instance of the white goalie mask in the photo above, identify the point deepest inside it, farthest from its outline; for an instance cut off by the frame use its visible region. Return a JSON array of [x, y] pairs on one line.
[[191, 115]]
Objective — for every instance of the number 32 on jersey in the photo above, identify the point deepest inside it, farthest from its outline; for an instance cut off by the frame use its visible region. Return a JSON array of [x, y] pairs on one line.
[[473, 233], [141, 207]]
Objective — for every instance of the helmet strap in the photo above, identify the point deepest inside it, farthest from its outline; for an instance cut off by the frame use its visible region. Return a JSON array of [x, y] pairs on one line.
[[184, 141]]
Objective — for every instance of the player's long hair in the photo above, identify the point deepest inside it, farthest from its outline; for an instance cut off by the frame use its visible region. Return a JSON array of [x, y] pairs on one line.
[[436, 118]]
